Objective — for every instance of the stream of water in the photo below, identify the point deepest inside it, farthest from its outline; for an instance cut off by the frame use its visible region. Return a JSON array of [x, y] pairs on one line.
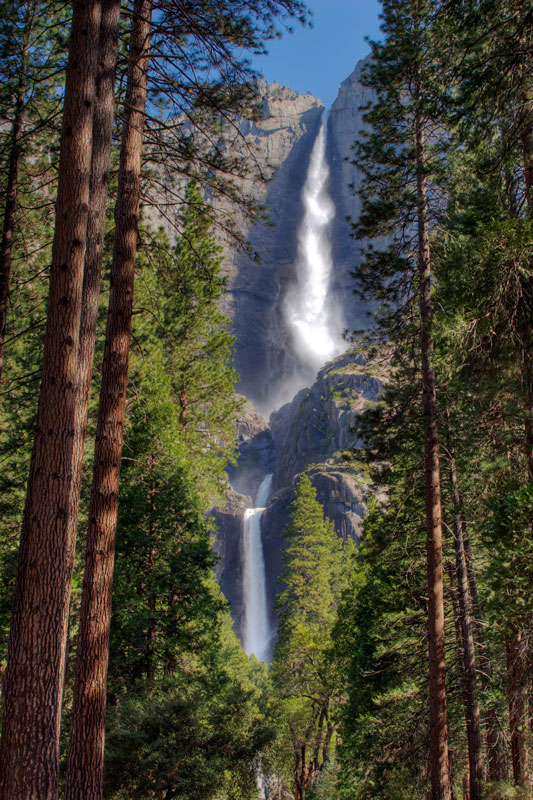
[[315, 327], [316, 338], [256, 632]]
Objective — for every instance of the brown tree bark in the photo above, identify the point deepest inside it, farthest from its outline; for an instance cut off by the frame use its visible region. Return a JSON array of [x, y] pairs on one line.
[[99, 181], [472, 716], [11, 190], [526, 140], [34, 675], [100, 168], [84, 777], [496, 768], [517, 708], [460, 660], [440, 775], [152, 599]]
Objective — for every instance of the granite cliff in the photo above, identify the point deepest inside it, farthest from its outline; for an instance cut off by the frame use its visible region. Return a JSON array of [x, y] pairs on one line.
[[313, 434], [282, 141], [315, 430]]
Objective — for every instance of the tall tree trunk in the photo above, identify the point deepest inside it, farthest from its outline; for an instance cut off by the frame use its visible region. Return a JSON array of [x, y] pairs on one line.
[[517, 708], [99, 180], [473, 731], [440, 770], [494, 738], [85, 770], [11, 190], [460, 661], [526, 140], [152, 599], [35, 668]]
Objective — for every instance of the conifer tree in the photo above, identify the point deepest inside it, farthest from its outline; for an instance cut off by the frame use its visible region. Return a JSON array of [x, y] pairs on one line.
[[398, 165], [34, 675], [185, 298], [179, 683], [32, 54], [302, 669]]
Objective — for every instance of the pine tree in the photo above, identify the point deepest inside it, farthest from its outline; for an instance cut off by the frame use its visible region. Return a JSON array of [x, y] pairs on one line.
[[398, 163], [302, 670], [182, 294], [32, 55], [379, 644], [34, 675]]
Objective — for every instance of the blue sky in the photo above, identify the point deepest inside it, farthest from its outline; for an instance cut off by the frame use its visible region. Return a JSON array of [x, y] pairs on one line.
[[318, 60]]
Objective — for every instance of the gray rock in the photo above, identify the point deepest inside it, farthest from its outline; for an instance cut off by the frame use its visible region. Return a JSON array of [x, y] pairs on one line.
[[256, 452], [227, 544], [308, 435], [323, 418]]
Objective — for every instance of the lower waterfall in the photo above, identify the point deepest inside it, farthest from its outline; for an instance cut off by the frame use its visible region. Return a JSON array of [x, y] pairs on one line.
[[256, 628]]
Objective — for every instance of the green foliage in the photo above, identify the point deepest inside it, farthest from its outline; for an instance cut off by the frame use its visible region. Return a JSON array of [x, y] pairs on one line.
[[186, 718], [303, 671], [195, 734], [380, 643], [178, 296], [464, 70], [32, 51]]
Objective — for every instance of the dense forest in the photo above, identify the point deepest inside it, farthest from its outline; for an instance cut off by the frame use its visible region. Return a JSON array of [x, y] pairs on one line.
[[403, 666]]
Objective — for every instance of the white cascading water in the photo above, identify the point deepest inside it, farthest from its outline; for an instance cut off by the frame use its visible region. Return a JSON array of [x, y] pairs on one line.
[[316, 332], [256, 631]]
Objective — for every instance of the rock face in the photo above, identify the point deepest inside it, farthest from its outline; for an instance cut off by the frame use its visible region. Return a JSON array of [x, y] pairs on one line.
[[345, 127], [256, 452], [323, 418], [311, 434], [228, 547], [279, 146], [282, 141]]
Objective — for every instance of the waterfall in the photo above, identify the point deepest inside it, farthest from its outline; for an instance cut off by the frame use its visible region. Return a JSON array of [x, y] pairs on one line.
[[316, 331], [256, 629]]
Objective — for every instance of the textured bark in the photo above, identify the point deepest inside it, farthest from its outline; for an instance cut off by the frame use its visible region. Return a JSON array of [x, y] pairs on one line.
[[440, 777], [460, 660], [152, 599], [183, 409], [11, 190], [86, 764], [517, 708], [472, 717], [99, 179], [35, 667], [496, 766], [526, 140]]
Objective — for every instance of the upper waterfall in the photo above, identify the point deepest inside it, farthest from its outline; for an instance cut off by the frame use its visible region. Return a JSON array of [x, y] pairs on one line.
[[315, 327]]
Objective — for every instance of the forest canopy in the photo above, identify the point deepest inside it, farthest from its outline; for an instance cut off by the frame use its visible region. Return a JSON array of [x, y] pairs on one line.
[[403, 662]]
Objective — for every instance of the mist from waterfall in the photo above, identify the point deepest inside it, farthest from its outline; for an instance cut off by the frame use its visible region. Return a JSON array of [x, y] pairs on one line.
[[256, 629], [315, 327]]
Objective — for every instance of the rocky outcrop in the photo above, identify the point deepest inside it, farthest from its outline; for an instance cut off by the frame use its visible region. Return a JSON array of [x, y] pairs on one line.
[[282, 141], [254, 300], [323, 418], [278, 146], [313, 434], [345, 127], [227, 544], [256, 451]]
